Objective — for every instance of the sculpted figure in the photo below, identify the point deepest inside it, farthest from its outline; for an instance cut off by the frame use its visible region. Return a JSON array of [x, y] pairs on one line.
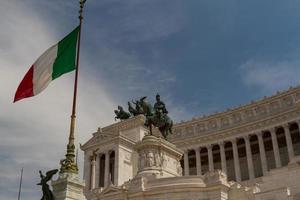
[[151, 159], [47, 193], [156, 116], [121, 114], [160, 119], [160, 106], [157, 159]]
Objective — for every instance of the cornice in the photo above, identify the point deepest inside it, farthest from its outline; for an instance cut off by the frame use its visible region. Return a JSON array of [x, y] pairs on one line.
[[234, 119], [126, 124], [102, 140], [293, 92], [106, 134], [248, 128]]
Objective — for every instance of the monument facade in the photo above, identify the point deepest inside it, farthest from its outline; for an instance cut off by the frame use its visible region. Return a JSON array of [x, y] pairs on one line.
[[249, 152]]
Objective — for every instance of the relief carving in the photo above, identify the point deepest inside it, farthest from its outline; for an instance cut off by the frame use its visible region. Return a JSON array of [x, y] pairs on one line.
[[237, 117], [189, 130], [127, 156], [212, 124], [274, 106], [150, 158], [287, 101], [224, 122], [178, 132], [260, 110], [157, 160], [249, 113], [200, 128], [297, 96], [178, 167]]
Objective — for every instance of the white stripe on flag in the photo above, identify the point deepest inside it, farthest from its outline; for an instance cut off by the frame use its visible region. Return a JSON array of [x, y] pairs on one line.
[[42, 69]]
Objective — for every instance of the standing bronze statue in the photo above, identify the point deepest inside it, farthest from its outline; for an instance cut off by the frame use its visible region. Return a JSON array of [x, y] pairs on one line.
[[47, 193]]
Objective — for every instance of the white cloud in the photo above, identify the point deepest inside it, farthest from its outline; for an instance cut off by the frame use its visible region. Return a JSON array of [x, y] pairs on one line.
[[270, 77], [34, 131]]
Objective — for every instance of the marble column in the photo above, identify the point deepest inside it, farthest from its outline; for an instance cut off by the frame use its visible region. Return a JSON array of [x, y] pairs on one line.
[[249, 158], [97, 174], [93, 172], [198, 161], [298, 123], [106, 172], [262, 153], [87, 170], [210, 158], [275, 148], [289, 142], [223, 157], [116, 176], [236, 161], [186, 163]]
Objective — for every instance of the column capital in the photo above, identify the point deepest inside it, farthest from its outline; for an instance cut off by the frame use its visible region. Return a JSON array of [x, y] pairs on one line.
[[246, 138], [285, 126], [259, 134], [272, 130], [197, 149], [221, 143], [208, 146], [233, 140], [93, 157]]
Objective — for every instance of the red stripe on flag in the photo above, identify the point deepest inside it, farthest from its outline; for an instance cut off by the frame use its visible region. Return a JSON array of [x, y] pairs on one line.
[[25, 88]]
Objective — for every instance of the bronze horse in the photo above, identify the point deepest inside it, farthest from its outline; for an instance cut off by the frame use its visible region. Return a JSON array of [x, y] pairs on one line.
[[153, 117]]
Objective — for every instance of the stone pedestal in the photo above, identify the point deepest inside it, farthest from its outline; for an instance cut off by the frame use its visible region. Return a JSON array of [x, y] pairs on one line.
[[158, 157], [68, 186]]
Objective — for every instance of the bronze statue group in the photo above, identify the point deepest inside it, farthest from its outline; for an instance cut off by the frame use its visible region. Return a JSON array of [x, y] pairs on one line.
[[156, 115]]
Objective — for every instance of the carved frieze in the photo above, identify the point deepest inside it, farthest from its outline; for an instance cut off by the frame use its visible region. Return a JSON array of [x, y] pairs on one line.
[[236, 117], [254, 112], [261, 110], [224, 122], [274, 106], [150, 158], [212, 124], [189, 130], [287, 101], [297, 96], [127, 156], [200, 127]]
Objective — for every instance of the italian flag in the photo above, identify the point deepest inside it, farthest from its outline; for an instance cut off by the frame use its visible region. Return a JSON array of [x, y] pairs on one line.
[[54, 62]]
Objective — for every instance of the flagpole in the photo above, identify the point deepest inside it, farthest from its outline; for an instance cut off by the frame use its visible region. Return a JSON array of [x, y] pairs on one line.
[[20, 186], [69, 164]]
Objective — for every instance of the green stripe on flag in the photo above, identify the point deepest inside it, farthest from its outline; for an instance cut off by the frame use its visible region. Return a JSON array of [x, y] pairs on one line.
[[66, 55]]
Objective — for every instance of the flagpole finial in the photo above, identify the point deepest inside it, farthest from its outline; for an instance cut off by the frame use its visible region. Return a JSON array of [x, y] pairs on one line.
[[81, 2]]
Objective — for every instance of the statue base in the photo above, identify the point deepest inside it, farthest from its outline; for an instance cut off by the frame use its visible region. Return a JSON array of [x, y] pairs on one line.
[[158, 157], [68, 186]]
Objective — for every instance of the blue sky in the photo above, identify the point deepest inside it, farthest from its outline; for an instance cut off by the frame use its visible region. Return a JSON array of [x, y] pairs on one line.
[[202, 56]]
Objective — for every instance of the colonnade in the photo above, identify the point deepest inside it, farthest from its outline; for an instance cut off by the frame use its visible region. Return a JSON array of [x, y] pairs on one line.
[[102, 169], [247, 145]]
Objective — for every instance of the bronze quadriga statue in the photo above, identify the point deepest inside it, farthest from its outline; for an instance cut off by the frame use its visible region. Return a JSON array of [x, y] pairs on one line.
[[156, 116]]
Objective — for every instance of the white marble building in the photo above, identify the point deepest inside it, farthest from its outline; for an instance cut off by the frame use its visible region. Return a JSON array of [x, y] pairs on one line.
[[249, 152]]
